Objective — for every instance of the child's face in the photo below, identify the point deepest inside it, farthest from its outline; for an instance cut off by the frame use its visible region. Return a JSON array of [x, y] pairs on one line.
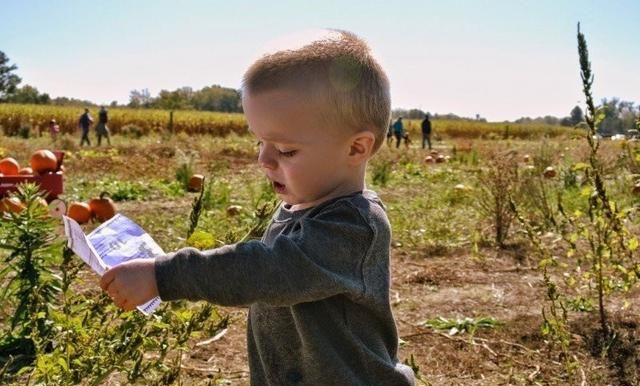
[[305, 161]]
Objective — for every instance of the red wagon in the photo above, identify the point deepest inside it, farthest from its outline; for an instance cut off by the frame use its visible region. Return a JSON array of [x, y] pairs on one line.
[[51, 183]]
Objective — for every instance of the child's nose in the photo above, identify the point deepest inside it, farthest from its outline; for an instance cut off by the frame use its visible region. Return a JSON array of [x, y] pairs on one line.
[[266, 158]]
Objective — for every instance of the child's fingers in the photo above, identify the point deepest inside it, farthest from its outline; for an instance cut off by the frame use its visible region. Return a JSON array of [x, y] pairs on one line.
[[107, 279]]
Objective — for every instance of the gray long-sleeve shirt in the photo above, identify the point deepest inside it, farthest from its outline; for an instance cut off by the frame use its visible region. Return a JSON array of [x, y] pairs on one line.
[[318, 289]]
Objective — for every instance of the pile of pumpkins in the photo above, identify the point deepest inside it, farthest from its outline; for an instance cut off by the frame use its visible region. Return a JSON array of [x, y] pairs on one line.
[[99, 208], [41, 162], [435, 157]]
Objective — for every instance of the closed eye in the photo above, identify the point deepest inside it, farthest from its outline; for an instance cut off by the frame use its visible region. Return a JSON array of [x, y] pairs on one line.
[[288, 153]]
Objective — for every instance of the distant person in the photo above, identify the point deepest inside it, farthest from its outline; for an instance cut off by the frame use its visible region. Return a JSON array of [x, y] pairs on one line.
[[85, 123], [54, 129], [407, 140], [398, 131], [426, 131], [390, 133], [101, 129]]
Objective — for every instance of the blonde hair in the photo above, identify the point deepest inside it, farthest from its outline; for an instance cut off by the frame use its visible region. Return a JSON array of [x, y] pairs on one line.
[[338, 72]]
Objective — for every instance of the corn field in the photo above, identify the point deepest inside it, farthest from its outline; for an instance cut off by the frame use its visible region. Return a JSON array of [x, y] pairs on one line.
[[35, 118]]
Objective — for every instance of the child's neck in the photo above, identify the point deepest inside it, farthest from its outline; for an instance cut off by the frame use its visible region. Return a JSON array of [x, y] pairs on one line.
[[350, 186]]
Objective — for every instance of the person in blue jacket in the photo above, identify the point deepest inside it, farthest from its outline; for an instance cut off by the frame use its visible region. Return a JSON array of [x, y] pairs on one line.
[[398, 131]]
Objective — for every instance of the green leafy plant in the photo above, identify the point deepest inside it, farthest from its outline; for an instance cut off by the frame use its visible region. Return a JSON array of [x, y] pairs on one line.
[[381, 172], [57, 333], [30, 285], [462, 325], [186, 166]]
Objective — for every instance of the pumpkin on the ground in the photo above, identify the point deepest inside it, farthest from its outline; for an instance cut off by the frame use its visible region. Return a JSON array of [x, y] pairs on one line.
[[549, 172], [195, 182], [79, 211], [43, 161], [11, 205], [102, 207], [9, 166], [233, 210]]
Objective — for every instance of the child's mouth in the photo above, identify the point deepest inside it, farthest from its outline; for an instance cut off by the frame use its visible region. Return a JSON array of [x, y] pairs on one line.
[[278, 187]]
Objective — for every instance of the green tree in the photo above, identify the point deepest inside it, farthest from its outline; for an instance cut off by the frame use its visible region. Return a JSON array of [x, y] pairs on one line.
[[576, 116], [8, 81], [29, 94]]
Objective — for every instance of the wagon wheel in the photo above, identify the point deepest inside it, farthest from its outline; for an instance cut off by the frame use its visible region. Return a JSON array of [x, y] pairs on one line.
[[57, 208]]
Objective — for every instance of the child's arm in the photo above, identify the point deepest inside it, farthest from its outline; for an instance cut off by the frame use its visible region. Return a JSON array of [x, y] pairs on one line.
[[323, 258], [131, 284]]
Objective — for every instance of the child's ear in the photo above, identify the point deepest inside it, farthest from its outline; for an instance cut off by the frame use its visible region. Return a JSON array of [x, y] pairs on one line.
[[361, 148]]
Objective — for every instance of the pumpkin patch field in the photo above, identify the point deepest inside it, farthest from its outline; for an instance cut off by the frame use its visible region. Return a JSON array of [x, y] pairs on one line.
[[514, 258]]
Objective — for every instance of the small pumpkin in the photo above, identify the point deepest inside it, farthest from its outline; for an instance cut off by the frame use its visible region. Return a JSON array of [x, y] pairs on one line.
[[26, 171], [102, 207], [233, 210], [79, 211], [11, 205], [9, 166], [43, 161], [57, 208], [460, 188], [549, 172], [195, 182]]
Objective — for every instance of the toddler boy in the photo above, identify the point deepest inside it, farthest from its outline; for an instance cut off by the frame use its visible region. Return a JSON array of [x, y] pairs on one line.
[[317, 284]]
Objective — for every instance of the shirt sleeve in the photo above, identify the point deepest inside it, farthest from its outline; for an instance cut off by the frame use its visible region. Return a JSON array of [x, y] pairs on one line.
[[320, 258]]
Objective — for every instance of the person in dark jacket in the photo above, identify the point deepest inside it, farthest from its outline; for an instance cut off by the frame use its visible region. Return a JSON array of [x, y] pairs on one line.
[[390, 133], [101, 129], [84, 123], [426, 131]]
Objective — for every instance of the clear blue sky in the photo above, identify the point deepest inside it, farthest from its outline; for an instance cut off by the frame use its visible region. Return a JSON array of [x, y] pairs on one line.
[[500, 59]]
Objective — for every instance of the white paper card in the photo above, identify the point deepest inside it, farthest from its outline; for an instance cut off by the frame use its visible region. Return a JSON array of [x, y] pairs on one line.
[[115, 241]]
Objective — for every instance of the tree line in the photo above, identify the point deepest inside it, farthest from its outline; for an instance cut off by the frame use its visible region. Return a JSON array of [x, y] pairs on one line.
[[618, 116], [209, 98]]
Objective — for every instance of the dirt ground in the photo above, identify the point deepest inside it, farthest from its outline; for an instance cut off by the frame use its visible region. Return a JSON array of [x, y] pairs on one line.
[[457, 286]]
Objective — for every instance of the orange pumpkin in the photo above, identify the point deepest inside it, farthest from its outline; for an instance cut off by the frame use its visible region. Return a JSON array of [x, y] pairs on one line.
[[9, 166], [26, 171], [549, 172], [11, 205], [102, 207], [79, 211], [195, 182], [233, 210], [43, 161]]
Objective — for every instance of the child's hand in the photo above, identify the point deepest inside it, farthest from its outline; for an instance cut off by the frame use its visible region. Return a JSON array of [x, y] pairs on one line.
[[131, 284]]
